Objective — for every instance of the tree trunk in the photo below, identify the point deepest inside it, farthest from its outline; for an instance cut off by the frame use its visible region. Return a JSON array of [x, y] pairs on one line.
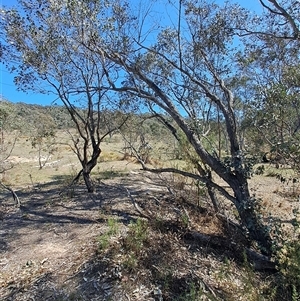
[[210, 189], [87, 169], [246, 206], [213, 197], [88, 181]]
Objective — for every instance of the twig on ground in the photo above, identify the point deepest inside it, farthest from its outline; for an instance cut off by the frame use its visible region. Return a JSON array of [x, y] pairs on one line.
[[136, 206]]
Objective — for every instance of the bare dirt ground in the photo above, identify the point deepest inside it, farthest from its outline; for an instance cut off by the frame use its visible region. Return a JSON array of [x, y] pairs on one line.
[[54, 246], [46, 245]]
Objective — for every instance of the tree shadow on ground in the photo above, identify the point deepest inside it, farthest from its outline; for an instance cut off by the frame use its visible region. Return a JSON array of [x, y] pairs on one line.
[[46, 204], [171, 261]]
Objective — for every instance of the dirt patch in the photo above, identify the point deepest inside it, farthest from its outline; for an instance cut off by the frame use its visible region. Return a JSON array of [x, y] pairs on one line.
[[54, 246], [51, 236]]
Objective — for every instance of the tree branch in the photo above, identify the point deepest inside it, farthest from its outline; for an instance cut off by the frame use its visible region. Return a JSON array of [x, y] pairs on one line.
[[193, 176], [283, 13]]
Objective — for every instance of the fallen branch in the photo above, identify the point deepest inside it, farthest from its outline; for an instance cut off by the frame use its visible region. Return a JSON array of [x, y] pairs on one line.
[[16, 199], [136, 206], [259, 261]]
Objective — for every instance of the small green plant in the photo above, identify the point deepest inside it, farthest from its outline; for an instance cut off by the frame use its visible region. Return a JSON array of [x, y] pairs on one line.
[[224, 270], [103, 241], [133, 243], [113, 226], [249, 281], [137, 235], [185, 220], [287, 257], [113, 229], [130, 262]]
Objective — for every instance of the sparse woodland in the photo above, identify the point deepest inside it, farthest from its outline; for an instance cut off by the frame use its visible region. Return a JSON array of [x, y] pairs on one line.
[[184, 134]]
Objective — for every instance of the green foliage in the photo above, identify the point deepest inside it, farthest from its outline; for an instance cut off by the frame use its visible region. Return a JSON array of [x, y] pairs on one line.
[[113, 229], [286, 249], [134, 243], [185, 220], [9, 117], [130, 262], [192, 294], [113, 226], [103, 241], [288, 257], [272, 120], [9, 123], [24, 117], [136, 236]]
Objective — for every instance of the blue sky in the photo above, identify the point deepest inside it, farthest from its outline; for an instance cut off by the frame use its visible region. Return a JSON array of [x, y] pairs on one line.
[[9, 91]]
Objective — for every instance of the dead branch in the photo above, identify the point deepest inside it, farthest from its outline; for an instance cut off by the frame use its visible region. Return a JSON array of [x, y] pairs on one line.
[[16, 199], [136, 206]]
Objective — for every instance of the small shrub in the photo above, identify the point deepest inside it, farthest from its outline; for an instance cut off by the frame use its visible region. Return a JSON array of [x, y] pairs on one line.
[[130, 262], [288, 258], [113, 229], [103, 241], [137, 235], [185, 220], [113, 226]]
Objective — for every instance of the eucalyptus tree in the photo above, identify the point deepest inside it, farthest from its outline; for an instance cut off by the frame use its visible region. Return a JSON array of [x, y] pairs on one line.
[[42, 43], [184, 71]]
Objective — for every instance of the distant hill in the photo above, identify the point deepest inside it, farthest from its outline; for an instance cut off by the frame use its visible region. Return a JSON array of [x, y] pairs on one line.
[[21, 115], [29, 118]]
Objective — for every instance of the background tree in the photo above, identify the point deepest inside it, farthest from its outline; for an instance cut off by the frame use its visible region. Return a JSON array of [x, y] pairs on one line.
[[44, 46], [270, 69], [43, 138], [8, 125]]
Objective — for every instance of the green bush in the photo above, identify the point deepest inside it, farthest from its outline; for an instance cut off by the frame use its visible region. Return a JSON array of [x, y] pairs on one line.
[[288, 258]]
